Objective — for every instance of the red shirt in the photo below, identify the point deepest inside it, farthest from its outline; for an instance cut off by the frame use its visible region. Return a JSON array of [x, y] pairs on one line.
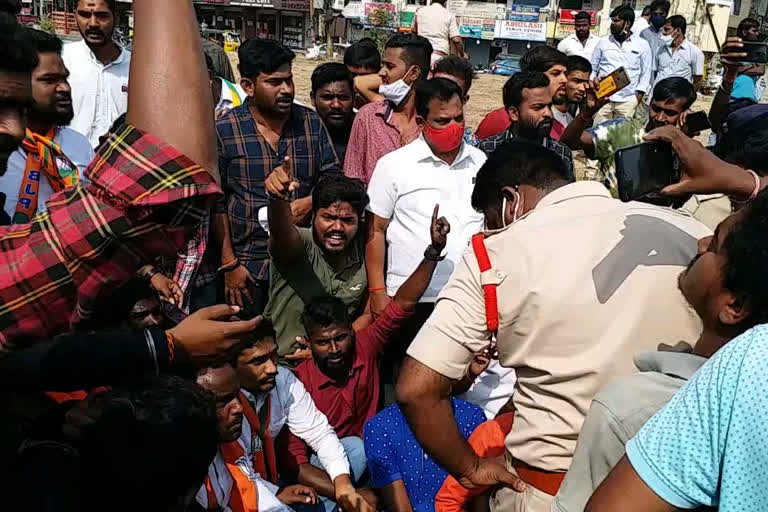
[[348, 405], [493, 123]]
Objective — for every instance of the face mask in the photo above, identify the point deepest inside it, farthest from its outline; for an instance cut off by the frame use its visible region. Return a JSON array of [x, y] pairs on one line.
[[667, 39], [446, 139], [395, 92], [516, 213], [657, 20], [618, 34]]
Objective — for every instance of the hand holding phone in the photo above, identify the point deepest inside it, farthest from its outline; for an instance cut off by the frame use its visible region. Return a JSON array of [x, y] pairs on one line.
[[754, 52], [696, 122], [613, 83], [643, 170]]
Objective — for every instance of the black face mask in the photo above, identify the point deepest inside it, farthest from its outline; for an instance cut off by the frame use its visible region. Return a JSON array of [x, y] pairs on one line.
[[658, 20], [619, 34]]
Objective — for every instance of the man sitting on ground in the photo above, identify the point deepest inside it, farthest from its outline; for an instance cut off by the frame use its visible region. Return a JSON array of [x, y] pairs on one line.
[[324, 260], [272, 397], [343, 375], [332, 97], [528, 100]]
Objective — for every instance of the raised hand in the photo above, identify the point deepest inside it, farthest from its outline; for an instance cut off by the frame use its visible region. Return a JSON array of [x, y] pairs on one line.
[[439, 230], [280, 183], [591, 102], [730, 54]]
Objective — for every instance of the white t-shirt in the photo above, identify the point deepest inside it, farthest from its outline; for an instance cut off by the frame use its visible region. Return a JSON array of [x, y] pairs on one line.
[[99, 92], [572, 46], [405, 187], [73, 144]]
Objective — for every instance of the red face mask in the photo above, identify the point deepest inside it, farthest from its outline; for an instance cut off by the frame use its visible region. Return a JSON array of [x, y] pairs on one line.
[[445, 139]]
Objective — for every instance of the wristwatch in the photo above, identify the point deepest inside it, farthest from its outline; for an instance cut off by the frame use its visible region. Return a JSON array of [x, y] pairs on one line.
[[149, 274], [432, 254]]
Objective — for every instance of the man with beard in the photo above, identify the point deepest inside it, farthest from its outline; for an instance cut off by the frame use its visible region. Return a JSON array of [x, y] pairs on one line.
[[623, 48], [99, 70], [554, 64], [52, 156], [333, 98], [528, 100], [253, 141], [323, 260], [272, 398], [671, 97], [582, 42], [233, 476], [343, 375]]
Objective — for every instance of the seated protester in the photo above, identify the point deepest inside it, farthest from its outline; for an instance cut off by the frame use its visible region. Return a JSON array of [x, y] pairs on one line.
[[332, 97], [134, 306], [307, 263], [486, 441], [343, 376], [145, 193], [166, 427], [554, 64], [50, 149], [406, 477], [671, 97], [609, 261], [724, 285], [578, 73], [702, 447], [437, 168], [233, 481], [528, 101], [272, 398], [460, 71], [226, 95]]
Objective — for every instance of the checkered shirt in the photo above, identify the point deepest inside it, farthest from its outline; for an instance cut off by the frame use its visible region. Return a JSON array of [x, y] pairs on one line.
[[490, 145]]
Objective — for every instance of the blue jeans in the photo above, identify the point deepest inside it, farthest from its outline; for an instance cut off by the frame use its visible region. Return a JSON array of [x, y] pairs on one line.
[[355, 450]]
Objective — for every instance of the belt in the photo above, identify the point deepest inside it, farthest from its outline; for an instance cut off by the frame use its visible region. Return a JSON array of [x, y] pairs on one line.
[[545, 481]]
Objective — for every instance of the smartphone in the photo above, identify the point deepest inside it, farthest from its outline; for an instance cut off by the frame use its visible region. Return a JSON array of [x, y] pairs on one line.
[[756, 52], [643, 170], [697, 122], [612, 83]]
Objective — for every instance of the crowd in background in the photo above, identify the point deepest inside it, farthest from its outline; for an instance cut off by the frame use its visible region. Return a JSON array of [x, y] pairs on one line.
[[213, 297]]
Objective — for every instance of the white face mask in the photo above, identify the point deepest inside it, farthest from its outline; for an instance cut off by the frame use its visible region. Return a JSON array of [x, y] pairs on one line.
[[516, 213], [667, 39], [395, 92]]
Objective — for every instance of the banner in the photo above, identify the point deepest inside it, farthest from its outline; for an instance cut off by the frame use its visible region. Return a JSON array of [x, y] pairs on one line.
[[521, 30], [476, 28], [568, 16], [522, 13], [406, 21]]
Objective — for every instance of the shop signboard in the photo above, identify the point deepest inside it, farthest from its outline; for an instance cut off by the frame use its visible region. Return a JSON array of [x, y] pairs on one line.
[[213, 2], [522, 13], [476, 28], [406, 21], [255, 3], [295, 5], [521, 30], [568, 16]]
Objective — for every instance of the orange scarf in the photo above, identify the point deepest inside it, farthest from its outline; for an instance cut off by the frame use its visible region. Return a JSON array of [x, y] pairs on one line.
[[244, 498], [42, 153]]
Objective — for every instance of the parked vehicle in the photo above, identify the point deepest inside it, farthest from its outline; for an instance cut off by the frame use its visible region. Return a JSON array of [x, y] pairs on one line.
[[505, 64]]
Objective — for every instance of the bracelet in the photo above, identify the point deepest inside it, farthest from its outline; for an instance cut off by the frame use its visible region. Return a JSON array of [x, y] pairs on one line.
[[378, 289], [229, 267], [432, 254], [150, 274], [755, 191]]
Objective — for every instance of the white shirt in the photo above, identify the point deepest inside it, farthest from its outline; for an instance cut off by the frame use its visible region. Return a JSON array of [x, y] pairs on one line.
[[686, 62], [99, 92], [571, 45], [291, 405], [438, 26], [492, 389], [640, 25], [564, 118], [634, 54], [405, 187], [73, 144]]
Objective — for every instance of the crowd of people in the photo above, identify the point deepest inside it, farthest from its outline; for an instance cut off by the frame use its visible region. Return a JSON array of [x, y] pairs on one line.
[[214, 297]]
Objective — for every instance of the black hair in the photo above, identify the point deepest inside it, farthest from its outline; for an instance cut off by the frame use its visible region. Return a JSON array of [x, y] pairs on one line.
[[262, 56], [111, 5], [154, 439], [517, 163], [664, 5], [678, 21], [417, 51], [673, 88], [264, 331], [746, 24], [332, 189], [624, 12], [542, 58], [441, 89], [324, 311], [579, 63], [456, 66], [43, 41], [10, 7], [363, 54], [112, 313], [513, 88], [746, 250], [18, 51], [583, 15], [646, 11], [330, 72]]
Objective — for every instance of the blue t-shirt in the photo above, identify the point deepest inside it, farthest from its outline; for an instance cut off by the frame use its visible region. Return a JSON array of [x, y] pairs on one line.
[[394, 454], [709, 445]]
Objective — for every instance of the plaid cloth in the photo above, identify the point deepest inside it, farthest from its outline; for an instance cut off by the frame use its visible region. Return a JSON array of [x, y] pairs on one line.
[[245, 160], [142, 200], [490, 144]]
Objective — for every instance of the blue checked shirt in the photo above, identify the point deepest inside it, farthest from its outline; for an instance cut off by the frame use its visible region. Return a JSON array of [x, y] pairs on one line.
[[246, 159]]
